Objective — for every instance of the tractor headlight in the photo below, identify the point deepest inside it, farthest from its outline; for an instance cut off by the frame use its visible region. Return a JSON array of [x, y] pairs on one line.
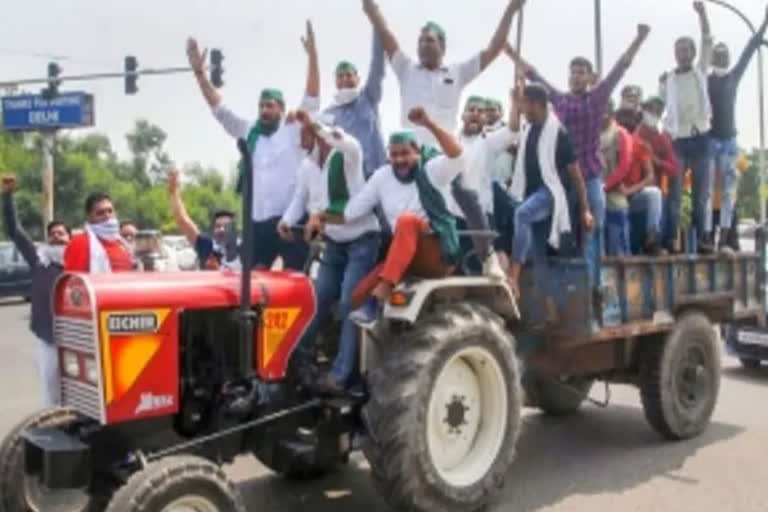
[[70, 364], [91, 371]]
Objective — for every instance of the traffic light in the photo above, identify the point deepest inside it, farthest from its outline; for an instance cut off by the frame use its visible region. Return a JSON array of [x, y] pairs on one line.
[[54, 70], [131, 75], [217, 71]]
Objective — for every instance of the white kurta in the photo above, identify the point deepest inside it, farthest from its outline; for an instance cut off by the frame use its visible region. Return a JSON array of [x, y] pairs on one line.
[[311, 194], [276, 160], [396, 197], [483, 151]]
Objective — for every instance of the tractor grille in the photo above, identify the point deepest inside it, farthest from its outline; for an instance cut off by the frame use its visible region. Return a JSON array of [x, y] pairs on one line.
[[78, 335]]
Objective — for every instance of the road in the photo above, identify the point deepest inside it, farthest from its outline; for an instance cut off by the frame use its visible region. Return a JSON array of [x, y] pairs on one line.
[[601, 459]]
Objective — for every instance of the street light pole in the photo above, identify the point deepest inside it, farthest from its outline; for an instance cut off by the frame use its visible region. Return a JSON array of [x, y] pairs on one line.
[[598, 38], [761, 101]]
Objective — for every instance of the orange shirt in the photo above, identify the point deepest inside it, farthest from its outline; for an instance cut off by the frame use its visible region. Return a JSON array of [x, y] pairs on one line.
[[77, 256]]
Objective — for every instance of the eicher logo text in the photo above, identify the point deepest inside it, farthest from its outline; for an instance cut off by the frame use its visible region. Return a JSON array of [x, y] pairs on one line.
[[150, 402], [132, 322]]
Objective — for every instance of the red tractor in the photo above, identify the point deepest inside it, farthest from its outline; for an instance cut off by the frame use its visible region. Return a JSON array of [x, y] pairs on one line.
[[166, 376]]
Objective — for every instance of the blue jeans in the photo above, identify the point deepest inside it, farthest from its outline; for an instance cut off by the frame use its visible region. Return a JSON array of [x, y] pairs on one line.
[[725, 152], [503, 218], [695, 153], [343, 266], [536, 208], [649, 201], [617, 232], [593, 250]]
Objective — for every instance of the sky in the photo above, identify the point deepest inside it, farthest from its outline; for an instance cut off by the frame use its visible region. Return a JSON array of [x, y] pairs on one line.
[[261, 43]]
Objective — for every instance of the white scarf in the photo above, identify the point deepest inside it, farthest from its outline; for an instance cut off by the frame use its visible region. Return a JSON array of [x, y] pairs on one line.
[[561, 220], [345, 96], [108, 230], [672, 120]]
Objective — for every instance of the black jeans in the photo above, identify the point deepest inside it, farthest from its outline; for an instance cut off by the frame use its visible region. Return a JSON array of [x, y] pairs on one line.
[[267, 246]]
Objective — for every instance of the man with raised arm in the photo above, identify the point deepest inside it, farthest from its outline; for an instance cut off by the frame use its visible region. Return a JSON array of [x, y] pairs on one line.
[[430, 83], [276, 151], [581, 111], [688, 121], [723, 88], [411, 191], [329, 177], [437, 88], [356, 110]]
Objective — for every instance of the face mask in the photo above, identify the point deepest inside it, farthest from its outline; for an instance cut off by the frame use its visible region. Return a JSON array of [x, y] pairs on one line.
[[717, 71], [650, 120], [345, 96], [107, 230], [51, 254]]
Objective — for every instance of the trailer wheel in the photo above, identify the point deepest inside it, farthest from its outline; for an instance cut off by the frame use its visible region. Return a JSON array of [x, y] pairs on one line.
[[19, 493], [444, 412], [680, 378], [178, 484], [561, 399], [750, 364]]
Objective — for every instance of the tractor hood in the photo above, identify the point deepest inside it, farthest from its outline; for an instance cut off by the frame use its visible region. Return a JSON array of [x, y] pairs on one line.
[[194, 290]]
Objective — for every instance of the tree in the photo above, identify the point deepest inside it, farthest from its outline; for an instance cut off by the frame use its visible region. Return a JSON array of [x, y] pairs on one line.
[[149, 158]]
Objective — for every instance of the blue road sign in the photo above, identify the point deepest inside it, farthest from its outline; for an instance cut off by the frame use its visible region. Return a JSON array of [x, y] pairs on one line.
[[32, 112]]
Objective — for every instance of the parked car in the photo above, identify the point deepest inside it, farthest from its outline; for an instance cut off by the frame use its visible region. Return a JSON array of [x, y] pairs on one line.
[[15, 274]]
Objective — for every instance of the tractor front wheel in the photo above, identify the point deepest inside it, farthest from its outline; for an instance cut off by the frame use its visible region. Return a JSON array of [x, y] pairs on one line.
[[444, 412], [178, 484]]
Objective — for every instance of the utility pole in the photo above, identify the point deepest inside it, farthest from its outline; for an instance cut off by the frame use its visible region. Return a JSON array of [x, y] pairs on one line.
[[48, 139], [598, 39]]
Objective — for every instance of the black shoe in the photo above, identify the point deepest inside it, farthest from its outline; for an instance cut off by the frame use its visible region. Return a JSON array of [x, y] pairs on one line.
[[705, 246], [652, 246]]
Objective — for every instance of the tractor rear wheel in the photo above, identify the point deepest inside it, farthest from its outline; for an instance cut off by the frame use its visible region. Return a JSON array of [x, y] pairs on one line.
[[444, 412], [680, 378], [178, 484], [19, 493]]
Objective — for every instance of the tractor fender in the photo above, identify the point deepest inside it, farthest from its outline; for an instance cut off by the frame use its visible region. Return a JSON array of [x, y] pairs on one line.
[[493, 293]]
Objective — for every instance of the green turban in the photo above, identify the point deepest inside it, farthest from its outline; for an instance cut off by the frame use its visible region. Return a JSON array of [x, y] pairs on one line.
[[494, 103], [655, 99], [345, 67], [437, 29], [273, 94], [403, 137], [476, 100]]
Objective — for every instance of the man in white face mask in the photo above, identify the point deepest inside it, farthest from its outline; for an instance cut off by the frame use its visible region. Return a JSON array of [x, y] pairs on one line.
[[356, 110], [723, 84], [46, 264], [99, 249]]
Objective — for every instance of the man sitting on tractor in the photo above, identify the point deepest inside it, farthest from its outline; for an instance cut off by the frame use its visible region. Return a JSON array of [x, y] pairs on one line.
[[329, 176], [412, 193]]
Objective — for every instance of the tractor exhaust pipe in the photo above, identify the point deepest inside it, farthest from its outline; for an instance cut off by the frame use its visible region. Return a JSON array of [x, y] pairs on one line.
[[247, 315]]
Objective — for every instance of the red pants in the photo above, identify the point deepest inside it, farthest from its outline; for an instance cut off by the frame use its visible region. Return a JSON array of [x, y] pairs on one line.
[[413, 251]]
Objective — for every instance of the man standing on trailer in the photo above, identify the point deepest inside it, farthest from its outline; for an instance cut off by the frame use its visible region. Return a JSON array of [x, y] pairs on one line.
[[581, 111], [276, 151]]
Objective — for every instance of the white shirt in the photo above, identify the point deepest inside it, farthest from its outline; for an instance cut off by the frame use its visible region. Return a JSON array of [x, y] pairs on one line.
[[483, 151], [438, 92], [312, 191], [396, 197], [276, 159]]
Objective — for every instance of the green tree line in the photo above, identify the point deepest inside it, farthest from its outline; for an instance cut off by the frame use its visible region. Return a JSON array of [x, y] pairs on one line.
[[137, 183]]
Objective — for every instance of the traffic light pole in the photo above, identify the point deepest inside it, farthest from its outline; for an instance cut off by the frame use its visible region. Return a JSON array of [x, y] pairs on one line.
[[98, 76], [48, 139]]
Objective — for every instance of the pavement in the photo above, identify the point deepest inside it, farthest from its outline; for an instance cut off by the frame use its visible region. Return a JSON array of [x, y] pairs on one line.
[[598, 460]]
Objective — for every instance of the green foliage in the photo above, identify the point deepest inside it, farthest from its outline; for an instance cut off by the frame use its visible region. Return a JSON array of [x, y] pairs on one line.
[[749, 189], [137, 184]]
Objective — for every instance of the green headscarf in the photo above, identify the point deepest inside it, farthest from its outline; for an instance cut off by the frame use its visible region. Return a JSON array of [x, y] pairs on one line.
[[476, 100], [402, 137], [494, 103], [272, 94], [345, 67], [437, 29]]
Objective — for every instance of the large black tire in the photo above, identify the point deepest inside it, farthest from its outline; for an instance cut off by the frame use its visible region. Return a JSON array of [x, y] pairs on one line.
[[13, 484], [175, 478], [560, 399], [750, 364], [680, 378], [401, 411]]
